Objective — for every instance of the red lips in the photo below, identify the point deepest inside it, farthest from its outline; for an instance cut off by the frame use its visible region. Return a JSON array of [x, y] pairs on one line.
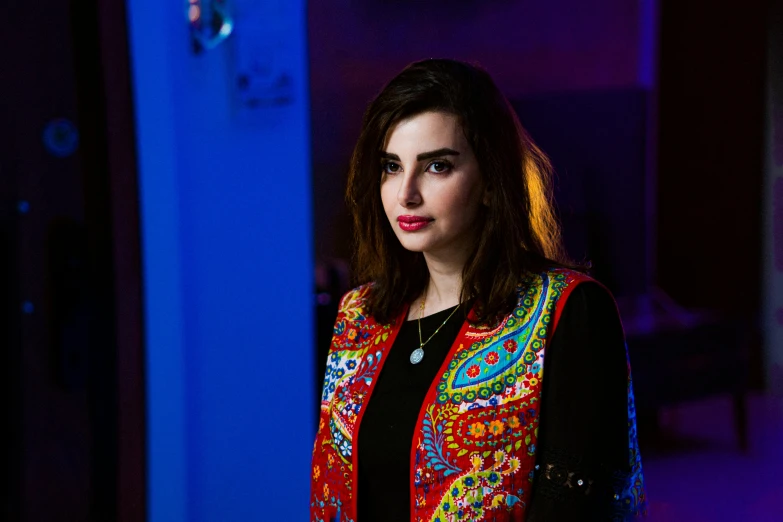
[[413, 223], [412, 219]]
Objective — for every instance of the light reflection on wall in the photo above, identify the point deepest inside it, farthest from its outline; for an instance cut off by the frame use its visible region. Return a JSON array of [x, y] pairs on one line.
[[228, 274]]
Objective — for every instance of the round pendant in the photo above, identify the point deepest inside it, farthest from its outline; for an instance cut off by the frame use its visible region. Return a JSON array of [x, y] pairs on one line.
[[417, 355]]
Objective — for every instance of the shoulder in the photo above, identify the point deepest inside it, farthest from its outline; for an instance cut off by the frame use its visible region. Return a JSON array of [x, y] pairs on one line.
[[569, 289], [557, 283], [587, 304], [354, 299]]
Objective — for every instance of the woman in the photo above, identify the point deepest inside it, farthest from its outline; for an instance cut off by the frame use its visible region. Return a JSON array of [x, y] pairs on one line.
[[439, 403]]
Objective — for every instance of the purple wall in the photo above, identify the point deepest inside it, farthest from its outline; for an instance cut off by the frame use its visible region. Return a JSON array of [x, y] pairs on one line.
[[528, 47], [773, 206]]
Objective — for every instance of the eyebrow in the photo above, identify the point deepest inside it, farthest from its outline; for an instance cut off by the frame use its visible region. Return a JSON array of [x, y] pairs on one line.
[[424, 155]]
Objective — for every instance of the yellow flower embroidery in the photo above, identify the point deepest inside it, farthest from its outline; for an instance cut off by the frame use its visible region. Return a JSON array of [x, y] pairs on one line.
[[476, 430], [496, 427], [316, 472]]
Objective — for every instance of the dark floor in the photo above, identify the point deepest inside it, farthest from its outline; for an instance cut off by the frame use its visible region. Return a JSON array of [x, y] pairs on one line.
[[702, 476]]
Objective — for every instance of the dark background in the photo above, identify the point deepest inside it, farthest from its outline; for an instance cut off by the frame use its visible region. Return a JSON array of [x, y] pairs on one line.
[[655, 114]]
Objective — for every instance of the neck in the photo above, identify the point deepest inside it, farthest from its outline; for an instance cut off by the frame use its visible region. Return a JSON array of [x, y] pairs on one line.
[[444, 287]]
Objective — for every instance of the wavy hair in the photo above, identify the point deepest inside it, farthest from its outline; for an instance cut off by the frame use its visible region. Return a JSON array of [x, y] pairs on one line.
[[518, 233]]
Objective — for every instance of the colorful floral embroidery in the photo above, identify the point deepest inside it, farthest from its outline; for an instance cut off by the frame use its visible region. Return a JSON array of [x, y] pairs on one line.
[[496, 427], [475, 443], [491, 358], [476, 430]]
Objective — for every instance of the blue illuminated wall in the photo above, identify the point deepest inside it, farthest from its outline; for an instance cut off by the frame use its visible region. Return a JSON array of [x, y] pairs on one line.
[[226, 221]]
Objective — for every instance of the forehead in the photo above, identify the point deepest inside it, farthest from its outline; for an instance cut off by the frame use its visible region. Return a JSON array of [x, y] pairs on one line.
[[425, 131]]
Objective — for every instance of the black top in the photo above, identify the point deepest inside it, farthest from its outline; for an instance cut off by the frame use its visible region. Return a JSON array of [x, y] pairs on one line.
[[583, 431]]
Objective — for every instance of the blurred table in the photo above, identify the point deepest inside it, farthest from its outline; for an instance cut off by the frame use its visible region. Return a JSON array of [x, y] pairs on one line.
[[679, 355]]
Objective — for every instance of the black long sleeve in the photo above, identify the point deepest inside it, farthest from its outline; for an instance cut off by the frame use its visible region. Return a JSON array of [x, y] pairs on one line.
[[583, 432]]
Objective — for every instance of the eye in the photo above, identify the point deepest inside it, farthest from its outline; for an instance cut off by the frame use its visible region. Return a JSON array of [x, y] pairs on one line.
[[389, 167], [439, 166]]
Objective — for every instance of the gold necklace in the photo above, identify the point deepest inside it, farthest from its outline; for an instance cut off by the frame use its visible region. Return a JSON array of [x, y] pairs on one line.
[[418, 354]]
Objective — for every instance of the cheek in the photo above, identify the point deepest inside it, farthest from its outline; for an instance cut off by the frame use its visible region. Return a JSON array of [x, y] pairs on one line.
[[465, 201], [388, 197], [464, 208]]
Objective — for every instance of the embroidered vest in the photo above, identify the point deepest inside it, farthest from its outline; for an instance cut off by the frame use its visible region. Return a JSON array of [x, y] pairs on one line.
[[474, 447]]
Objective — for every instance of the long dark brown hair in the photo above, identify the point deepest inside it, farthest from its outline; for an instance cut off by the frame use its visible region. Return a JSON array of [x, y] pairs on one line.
[[519, 232]]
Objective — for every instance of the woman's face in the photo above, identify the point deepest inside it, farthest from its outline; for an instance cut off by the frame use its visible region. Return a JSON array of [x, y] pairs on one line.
[[431, 187]]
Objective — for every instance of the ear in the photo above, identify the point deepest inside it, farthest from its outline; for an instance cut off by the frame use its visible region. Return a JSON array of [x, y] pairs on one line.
[[487, 196]]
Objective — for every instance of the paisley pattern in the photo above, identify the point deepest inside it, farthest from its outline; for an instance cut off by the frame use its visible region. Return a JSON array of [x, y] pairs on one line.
[[474, 448], [358, 347]]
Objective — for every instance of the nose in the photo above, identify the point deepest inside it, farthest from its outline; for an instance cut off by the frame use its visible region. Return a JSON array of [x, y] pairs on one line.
[[408, 194]]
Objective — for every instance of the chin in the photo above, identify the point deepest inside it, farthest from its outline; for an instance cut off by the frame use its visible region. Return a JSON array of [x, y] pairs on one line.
[[413, 247], [415, 244]]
